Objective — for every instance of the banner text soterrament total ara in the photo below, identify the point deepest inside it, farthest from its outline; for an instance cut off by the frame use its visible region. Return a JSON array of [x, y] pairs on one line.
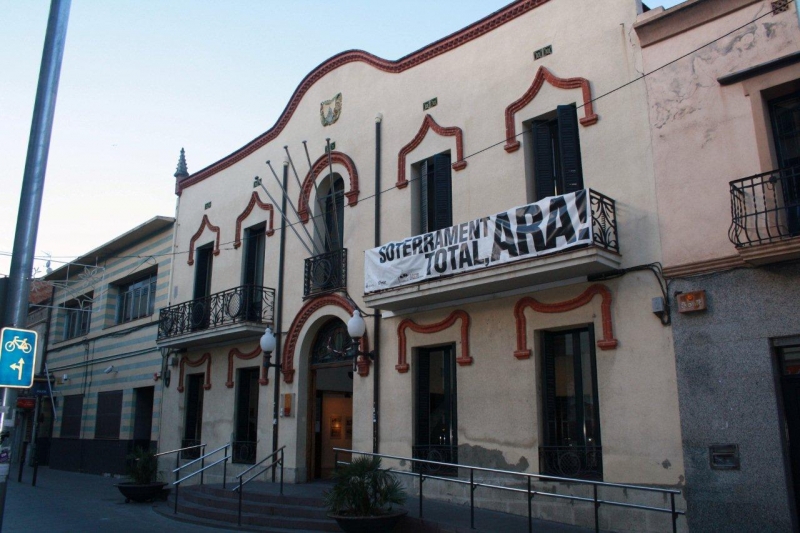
[[544, 227]]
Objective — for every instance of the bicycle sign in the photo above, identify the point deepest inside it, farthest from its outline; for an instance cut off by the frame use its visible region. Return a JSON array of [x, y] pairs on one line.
[[17, 357]]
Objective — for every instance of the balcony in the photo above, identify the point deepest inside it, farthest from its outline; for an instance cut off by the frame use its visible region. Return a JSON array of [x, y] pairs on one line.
[[582, 462], [561, 239], [765, 212], [325, 273], [237, 313]]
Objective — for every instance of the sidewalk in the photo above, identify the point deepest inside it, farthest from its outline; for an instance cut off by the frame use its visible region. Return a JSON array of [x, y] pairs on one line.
[[73, 502], [67, 502]]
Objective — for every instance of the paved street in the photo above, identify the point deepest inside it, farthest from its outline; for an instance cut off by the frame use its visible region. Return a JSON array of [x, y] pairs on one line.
[[70, 503]]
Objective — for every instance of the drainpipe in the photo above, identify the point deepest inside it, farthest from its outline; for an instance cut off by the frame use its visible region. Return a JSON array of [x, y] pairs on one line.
[[376, 324], [279, 316]]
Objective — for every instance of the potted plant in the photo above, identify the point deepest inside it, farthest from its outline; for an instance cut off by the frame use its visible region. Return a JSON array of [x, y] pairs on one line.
[[143, 473], [362, 497]]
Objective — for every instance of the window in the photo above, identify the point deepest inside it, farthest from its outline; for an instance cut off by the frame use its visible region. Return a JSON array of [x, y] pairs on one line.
[[109, 414], [254, 240], [137, 299], [785, 116], [71, 416], [201, 311], [435, 193], [436, 437], [571, 411], [194, 415], [77, 316], [557, 154], [244, 447]]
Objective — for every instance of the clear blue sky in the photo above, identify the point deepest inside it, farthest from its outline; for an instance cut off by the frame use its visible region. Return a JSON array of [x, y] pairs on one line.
[[143, 78]]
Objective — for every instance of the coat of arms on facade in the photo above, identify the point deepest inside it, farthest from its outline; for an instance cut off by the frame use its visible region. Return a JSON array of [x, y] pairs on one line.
[[329, 110]]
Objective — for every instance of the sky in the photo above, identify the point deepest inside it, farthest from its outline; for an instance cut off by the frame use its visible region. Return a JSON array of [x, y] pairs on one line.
[[141, 79]]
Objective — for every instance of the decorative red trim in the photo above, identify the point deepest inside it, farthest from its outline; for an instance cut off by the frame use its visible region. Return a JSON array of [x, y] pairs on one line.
[[310, 307], [463, 360], [263, 380], [544, 75], [435, 49], [430, 124], [608, 342], [254, 200], [206, 358], [317, 168], [205, 223]]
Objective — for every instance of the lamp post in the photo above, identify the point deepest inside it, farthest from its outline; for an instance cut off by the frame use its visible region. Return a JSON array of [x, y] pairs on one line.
[[268, 344], [356, 328]]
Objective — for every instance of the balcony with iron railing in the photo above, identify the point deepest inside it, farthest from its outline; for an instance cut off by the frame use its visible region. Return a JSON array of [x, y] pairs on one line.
[[765, 215], [237, 313], [554, 240], [325, 273]]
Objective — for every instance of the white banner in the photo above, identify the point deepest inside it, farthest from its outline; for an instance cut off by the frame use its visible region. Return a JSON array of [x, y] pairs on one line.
[[540, 228]]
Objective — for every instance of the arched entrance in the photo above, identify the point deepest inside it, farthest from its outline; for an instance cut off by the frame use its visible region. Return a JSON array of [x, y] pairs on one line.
[[330, 399]]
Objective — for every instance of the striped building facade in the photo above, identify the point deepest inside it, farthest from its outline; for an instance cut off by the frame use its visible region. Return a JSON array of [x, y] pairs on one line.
[[101, 350]]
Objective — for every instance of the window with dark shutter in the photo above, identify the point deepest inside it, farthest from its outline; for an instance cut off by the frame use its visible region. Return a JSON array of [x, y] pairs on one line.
[[436, 195], [71, 416], [436, 433], [556, 150], [109, 414]]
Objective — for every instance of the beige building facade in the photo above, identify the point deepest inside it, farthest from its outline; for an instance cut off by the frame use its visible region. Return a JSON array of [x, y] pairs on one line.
[[546, 359], [726, 131]]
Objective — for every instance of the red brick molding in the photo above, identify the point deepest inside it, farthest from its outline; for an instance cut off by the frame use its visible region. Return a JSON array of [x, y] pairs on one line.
[[206, 358], [430, 124], [319, 166], [463, 360], [263, 380], [608, 342], [205, 223], [311, 307], [442, 46], [255, 200], [544, 75]]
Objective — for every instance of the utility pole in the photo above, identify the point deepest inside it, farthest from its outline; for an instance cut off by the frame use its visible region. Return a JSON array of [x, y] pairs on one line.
[[30, 204]]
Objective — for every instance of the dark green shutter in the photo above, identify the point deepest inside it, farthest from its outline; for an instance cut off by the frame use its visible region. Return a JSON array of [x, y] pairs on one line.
[[423, 436], [442, 192], [549, 373], [423, 197], [543, 171], [570, 148]]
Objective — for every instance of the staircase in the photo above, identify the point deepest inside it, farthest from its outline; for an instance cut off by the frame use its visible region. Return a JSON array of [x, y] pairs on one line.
[[300, 509]]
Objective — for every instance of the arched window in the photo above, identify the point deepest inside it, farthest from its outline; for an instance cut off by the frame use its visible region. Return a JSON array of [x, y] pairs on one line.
[[332, 344], [330, 211]]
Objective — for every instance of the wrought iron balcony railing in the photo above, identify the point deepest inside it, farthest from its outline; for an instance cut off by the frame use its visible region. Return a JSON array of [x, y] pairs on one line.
[[325, 273], [604, 221], [438, 453], [582, 462], [248, 303], [244, 451], [765, 208]]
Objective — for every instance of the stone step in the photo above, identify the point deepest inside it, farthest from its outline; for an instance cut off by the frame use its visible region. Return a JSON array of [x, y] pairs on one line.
[[213, 509], [251, 493], [274, 505]]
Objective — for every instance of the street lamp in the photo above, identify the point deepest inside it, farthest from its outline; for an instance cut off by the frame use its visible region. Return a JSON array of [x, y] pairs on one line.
[[356, 328], [268, 345]]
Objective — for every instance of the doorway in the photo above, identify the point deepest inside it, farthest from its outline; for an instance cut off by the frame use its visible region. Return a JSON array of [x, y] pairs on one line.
[[330, 399], [785, 116], [143, 417], [789, 360], [572, 446]]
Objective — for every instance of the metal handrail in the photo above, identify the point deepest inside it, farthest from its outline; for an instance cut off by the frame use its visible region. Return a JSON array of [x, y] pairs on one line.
[[241, 485], [203, 468], [531, 493]]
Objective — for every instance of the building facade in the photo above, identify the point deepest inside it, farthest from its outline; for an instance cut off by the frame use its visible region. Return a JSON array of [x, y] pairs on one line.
[[101, 350], [500, 222], [725, 130]]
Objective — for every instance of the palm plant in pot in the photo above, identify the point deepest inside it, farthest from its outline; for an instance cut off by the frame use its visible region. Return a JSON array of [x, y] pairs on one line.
[[362, 497], [143, 473]]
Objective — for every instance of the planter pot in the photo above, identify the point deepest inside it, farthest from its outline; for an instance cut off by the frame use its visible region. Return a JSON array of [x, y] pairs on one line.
[[369, 524], [141, 493]]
